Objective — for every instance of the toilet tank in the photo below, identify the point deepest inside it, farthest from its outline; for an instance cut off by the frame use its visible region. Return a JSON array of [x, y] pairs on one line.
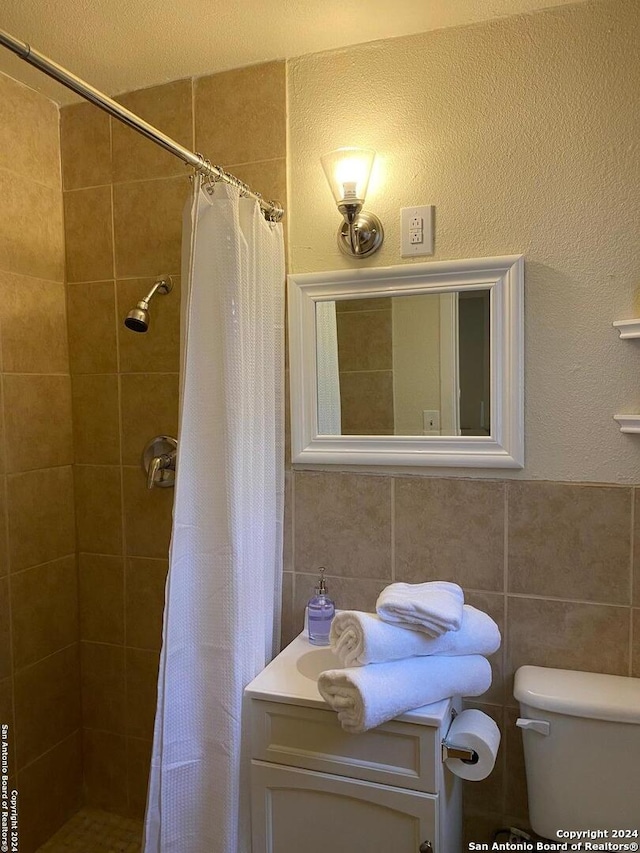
[[583, 758]]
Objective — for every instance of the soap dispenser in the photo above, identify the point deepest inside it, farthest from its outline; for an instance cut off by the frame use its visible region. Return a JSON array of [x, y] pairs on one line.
[[320, 613]]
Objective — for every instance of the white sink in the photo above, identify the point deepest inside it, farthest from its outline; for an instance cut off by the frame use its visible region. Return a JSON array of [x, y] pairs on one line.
[[312, 663], [292, 676]]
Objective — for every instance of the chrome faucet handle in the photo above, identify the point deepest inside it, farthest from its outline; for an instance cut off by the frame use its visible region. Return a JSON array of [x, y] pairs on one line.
[[155, 466], [165, 462], [159, 461]]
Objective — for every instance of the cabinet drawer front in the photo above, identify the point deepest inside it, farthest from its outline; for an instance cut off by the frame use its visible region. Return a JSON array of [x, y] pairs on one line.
[[400, 754], [299, 810]]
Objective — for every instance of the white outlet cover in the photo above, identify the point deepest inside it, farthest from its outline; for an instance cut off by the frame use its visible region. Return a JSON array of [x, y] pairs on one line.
[[407, 214]]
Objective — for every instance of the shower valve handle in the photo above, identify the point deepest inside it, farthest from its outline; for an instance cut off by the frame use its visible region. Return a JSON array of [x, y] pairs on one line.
[[166, 462], [159, 461]]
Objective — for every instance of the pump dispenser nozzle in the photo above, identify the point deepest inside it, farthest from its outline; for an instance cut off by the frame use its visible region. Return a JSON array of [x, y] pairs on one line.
[[320, 613], [321, 589]]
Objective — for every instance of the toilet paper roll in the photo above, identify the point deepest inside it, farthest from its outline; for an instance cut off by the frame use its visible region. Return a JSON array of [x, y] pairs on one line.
[[475, 730]]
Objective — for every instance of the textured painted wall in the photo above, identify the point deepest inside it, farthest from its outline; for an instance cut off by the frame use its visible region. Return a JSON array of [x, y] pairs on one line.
[[524, 134]]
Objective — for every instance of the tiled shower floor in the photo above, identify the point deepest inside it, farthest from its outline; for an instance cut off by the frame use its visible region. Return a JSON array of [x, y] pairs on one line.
[[93, 831]]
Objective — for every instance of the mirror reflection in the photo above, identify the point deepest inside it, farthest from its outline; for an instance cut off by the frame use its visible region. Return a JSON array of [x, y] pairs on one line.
[[408, 365]]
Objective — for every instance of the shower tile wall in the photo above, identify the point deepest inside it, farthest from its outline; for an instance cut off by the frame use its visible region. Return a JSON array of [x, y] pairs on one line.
[[39, 652], [365, 357], [552, 563], [123, 201]]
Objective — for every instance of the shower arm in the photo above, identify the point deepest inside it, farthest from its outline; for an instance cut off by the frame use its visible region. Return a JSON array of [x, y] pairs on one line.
[[271, 209], [161, 285]]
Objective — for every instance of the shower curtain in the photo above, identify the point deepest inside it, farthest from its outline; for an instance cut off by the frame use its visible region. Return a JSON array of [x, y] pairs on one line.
[[222, 607], [329, 410]]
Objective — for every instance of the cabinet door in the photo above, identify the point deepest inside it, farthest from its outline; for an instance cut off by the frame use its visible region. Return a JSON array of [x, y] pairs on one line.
[[297, 810]]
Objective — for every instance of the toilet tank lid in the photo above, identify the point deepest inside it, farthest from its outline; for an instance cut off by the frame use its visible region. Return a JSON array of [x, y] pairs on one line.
[[579, 694]]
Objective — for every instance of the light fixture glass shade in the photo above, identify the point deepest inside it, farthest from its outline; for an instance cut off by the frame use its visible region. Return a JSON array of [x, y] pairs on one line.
[[348, 171]]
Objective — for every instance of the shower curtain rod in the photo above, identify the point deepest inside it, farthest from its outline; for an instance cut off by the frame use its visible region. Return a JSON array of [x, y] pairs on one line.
[[271, 209]]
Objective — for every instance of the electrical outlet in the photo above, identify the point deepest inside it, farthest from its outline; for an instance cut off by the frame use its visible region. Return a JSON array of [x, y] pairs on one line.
[[431, 422], [416, 231]]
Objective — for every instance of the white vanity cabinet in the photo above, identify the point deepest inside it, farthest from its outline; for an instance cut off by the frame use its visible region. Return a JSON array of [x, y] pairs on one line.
[[299, 810], [317, 789]]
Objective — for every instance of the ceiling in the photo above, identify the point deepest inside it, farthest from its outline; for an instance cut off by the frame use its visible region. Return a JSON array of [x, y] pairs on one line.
[[120, 45]]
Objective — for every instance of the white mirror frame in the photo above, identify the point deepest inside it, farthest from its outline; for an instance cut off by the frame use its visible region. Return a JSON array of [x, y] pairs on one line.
[[504, 448]]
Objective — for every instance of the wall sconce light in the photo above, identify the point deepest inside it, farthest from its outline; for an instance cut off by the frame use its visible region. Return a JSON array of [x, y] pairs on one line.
[[348, 171]]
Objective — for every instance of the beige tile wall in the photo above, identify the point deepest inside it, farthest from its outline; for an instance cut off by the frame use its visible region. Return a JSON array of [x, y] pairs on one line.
[[552, 563], [366, 366], [39, 666], [123, 212]]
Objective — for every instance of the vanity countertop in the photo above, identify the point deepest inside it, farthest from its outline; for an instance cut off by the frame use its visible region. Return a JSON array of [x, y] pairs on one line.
[[291, 678]]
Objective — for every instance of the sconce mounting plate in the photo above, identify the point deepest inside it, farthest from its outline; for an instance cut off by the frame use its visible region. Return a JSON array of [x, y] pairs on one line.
[[370, 235]]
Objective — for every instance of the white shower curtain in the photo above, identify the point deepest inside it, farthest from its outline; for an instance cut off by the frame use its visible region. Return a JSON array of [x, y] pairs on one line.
[[223, 590], [329, 409]]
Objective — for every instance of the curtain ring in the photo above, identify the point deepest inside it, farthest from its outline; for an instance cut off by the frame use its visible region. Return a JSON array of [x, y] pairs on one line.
[[276, 213], [209, 180]]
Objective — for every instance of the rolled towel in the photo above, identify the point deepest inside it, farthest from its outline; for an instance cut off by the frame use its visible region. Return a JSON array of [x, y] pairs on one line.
[[433, 607], [362, 638], [367, 696]]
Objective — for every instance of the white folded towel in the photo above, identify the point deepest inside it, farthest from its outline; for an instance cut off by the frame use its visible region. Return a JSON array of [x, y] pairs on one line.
[[366, 696], [433, 607], [361, 638]]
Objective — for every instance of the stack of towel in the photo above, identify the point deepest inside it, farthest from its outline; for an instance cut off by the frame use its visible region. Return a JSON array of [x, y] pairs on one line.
[[422, 645]]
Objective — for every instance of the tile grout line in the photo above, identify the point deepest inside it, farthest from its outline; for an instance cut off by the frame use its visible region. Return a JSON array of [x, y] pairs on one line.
[[56, 374], [29, 177], [155, 650], [149, 277], [49, 656], [172, 177], [39, 278], [24, 569], [493, 592], [50, 749], [175, 177]]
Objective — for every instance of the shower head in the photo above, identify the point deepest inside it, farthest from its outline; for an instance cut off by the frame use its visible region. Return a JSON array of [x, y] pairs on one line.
[[138, 318]]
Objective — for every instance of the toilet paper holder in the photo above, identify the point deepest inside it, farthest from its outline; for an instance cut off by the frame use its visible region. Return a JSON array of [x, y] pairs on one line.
[[451, 750]]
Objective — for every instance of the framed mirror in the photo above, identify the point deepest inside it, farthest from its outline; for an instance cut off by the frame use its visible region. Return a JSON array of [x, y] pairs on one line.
[[418, 364]]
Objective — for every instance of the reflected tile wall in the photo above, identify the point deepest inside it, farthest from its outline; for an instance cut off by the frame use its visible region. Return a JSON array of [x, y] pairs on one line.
[[39, 665], [366, 367], [550, 562], [129, 196]]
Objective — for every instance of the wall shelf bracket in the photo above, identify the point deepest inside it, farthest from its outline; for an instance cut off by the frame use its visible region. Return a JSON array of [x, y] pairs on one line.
[[628, 423], [628, 328]]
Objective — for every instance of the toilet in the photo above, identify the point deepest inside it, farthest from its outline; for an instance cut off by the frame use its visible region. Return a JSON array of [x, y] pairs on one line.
[[581, 735]]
